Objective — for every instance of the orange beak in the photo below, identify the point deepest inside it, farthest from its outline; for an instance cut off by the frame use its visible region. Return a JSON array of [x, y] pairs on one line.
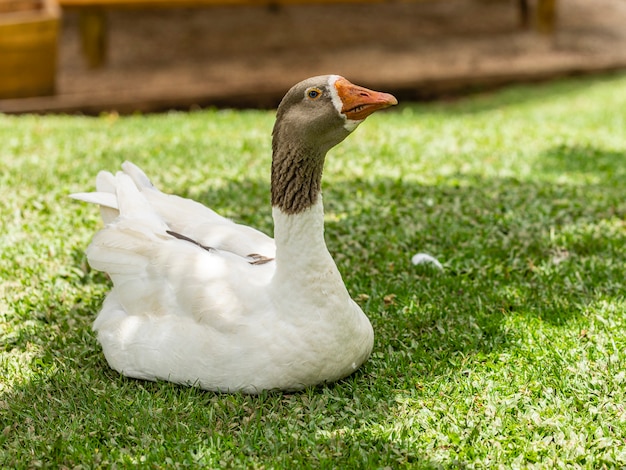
[[359, 102]]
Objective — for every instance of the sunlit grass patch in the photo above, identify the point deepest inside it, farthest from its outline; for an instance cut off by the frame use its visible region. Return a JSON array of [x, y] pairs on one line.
[[512, 356]]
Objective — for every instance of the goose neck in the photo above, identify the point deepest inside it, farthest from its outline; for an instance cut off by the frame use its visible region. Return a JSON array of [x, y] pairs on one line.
[[300, 237], [296, 179]]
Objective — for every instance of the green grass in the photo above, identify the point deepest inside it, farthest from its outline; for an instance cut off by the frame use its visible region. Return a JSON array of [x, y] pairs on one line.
[[513, 356]]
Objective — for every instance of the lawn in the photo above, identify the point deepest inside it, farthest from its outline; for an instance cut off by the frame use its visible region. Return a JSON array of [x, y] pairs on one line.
[[514, 355]]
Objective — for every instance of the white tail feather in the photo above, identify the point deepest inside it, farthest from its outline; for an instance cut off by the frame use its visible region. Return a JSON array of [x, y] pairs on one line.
[[140, 179], [123, 247], [107, 202], [103, 199], [105, 182]]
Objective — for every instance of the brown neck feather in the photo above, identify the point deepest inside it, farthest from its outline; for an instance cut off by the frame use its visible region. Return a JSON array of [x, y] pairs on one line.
[[296, 178]]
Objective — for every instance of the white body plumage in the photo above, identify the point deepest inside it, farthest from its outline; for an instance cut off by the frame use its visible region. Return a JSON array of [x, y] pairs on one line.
[[210, 318]]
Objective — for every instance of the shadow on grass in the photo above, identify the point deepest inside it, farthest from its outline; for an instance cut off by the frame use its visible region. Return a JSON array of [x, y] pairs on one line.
[[608, 165], [509, 248]]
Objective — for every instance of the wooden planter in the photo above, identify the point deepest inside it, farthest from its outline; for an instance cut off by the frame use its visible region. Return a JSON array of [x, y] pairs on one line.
[[28, 47]]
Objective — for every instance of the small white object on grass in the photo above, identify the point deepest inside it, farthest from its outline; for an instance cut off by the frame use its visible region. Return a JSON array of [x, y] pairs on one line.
[[423, 258]]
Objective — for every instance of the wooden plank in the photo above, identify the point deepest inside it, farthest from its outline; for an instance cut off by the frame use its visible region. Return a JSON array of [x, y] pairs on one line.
[[12, 6], [28, 51], [92, 21], [194, 3], [93, 29]]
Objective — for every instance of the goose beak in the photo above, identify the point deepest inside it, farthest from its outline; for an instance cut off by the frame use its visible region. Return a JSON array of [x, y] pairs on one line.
[[358, 102]]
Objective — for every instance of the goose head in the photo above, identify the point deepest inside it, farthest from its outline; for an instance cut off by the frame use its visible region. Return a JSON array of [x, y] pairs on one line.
[[314, 116]]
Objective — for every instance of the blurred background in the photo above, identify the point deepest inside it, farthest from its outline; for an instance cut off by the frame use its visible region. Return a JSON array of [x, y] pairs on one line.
[[92, 56]]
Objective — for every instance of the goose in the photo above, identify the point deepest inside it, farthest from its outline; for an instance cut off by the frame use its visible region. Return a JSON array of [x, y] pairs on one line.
[[200, 300]]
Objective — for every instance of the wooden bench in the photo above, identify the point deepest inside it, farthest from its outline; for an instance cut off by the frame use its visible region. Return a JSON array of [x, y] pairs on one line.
[[93, 28]]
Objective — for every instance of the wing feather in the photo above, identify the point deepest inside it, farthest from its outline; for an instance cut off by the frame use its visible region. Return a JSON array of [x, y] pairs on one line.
[[182, 215]]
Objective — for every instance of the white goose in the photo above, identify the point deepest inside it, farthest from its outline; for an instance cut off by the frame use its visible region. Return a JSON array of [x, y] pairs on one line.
[[200, 300]]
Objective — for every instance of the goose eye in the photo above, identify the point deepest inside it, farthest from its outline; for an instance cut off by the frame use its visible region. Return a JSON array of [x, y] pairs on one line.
[[313, 93]]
